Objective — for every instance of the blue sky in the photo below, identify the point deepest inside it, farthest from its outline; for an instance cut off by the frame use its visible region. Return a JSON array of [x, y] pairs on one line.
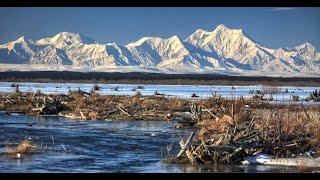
[[271, 27]]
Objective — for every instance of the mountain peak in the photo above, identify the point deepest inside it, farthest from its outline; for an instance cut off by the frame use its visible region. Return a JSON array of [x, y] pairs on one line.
[[64, 39], [66, 35], [197, 35], [201, 31], [305, 46], [71, 36], [10, 45], [223, 28], [145, 39], [21, 39], [306, 51], [175, 42]]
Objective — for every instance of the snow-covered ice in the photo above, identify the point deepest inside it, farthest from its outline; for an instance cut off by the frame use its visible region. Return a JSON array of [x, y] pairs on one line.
[[179, 91]]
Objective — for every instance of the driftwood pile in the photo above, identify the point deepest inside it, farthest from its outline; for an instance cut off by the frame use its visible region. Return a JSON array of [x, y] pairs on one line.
[[78, 104], [35, 103], [230, 138], [47, 105]]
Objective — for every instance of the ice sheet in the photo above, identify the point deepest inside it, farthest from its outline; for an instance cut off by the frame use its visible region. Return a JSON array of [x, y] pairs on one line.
[[179, 91]]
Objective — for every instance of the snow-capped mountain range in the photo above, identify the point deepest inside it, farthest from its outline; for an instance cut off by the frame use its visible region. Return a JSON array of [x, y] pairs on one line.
[[223, 50]]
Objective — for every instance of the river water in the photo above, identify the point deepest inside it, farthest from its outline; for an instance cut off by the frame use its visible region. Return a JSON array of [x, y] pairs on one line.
[[100, 146]]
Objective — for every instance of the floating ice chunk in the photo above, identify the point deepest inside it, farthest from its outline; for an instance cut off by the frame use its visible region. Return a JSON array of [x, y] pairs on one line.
[[256, 159]]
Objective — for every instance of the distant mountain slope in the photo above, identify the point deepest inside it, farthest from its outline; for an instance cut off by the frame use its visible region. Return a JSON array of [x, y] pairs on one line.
[[224, 50]]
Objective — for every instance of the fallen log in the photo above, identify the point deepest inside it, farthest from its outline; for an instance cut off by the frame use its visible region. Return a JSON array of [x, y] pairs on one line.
[[307, 162], [185, 145], [183, 116], [208, 111], [266, 160], [70, 115], [125, 112]]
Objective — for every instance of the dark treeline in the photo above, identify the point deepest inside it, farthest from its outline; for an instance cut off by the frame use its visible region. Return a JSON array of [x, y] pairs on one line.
[[153, 78]]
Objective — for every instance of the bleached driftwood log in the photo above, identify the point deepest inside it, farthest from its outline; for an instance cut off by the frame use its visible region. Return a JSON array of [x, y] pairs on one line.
[[82, 115], [125, 112], [185, 145], [183, 116], [204, 109], [266, 160], [196, 112], [307, 162], [70, 115]]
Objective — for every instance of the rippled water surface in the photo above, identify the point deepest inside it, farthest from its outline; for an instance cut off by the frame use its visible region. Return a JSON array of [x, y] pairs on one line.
[[100, 146]]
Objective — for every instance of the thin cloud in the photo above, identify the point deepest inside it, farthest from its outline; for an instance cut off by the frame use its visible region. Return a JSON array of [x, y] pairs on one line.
[[283, 9]]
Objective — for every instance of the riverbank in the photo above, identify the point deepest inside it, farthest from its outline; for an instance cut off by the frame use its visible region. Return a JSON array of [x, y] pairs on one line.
[[78, 104], [284, 135]]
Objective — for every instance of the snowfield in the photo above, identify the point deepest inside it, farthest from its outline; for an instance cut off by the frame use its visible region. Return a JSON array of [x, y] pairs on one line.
[[127, 69]]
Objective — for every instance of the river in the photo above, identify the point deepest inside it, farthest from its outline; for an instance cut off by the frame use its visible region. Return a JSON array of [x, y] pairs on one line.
[[101, 146]]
